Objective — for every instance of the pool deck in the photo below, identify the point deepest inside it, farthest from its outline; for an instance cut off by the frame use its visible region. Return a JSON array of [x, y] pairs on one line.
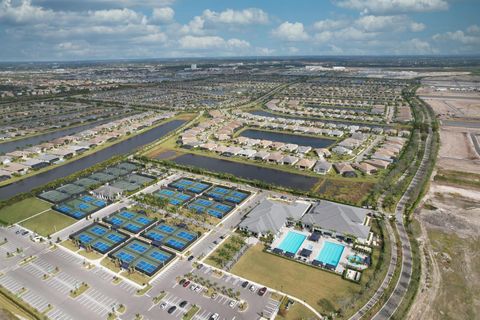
[[315, 247]]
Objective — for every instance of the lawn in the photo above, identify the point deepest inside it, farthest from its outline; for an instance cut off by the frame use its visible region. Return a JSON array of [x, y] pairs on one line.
[[323, 290], [22, 210], [48, 223], [296, 312]]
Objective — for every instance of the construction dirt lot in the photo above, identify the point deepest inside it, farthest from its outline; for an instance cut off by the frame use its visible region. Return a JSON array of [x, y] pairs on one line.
[[457, 150], [450, 242], [449, 228]]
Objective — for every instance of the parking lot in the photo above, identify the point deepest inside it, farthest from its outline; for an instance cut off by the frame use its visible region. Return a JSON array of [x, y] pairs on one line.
[[46, 281]]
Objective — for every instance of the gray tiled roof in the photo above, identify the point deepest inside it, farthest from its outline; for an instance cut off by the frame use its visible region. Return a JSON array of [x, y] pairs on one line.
[[271, 215], [338, 217]]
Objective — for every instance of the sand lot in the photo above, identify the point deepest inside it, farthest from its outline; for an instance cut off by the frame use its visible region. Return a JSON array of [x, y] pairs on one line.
[[457, 151], [454, 108]]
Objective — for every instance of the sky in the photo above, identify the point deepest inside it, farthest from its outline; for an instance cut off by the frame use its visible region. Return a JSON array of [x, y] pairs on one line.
[[51, 30]]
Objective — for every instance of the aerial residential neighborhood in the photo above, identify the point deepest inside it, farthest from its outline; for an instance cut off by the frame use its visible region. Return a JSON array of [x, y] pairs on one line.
[[206, 160]]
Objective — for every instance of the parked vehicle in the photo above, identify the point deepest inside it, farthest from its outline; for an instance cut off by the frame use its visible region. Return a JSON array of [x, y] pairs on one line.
[[262, 291]]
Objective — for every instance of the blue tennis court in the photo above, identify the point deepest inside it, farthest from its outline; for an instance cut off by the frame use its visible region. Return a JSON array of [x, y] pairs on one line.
[[213, 208], [196, 187], [80, 207], [174, 197], [292, 242], [87, 199], [155, 236], [165, 228], [174, 243], [137, 246], [185, 235], [127, 214], [97, 230], [173, 237], [133, 222], [221, 193], [99, 238], [144, 257], [331, 253]]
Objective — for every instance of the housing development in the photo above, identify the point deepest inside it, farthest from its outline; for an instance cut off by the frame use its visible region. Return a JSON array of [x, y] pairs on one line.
[[243, 187]]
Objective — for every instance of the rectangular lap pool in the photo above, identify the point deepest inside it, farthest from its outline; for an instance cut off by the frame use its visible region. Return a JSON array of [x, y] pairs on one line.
[[292, 242], [330, 254]]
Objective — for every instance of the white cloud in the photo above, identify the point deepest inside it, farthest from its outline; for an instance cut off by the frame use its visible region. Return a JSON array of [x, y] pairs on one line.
[[23, 12], [328, 24], [291, 31], [195, 26], [416, 26], [393, 6], [153, 38], [163, 15], [415, 46], [395, 23], [237, 17], [265, 51], [237, 43], [116, 16], [211, 42], [458, 36], [473, 29]]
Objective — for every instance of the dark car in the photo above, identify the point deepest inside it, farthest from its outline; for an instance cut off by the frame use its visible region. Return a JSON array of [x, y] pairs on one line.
[[183, 304], [190, 258], [262, 291], [172, 309], [244, 284], [186, 283]]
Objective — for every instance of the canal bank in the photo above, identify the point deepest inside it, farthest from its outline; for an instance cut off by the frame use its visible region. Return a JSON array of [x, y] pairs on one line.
[[21, 143], [301, 140], [248, 171], [121, 148]]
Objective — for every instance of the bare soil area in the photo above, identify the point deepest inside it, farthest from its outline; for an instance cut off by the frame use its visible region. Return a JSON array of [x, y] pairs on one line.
[[457, 151], [450, 222]]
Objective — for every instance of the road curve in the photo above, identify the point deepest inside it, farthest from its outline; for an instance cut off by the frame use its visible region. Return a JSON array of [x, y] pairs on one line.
[[401, 287]]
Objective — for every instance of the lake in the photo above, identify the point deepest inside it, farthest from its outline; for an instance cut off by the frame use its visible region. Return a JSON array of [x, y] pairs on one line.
[[248, 171], [44, 137], [264, 113], [313, 142], [124, 147]]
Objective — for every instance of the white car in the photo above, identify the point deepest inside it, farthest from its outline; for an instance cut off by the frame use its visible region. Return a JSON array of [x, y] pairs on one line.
[[214, 316], [198, 289], [253, 288], [232, 304], [193, 287], [163, 306]]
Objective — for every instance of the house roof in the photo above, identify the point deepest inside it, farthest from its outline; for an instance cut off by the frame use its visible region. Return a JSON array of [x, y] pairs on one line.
[[339, 218], [270, 215]]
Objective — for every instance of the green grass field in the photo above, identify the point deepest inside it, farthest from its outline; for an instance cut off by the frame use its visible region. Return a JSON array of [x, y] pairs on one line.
[[323, 290], [22, 210], [48, 223]]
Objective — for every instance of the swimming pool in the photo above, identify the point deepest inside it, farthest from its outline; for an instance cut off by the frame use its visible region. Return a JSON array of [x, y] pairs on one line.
[[331, 253], [292, 242]]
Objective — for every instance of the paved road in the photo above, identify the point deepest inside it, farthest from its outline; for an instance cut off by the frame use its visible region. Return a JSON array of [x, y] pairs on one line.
[[401, 287], [102, 295]]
